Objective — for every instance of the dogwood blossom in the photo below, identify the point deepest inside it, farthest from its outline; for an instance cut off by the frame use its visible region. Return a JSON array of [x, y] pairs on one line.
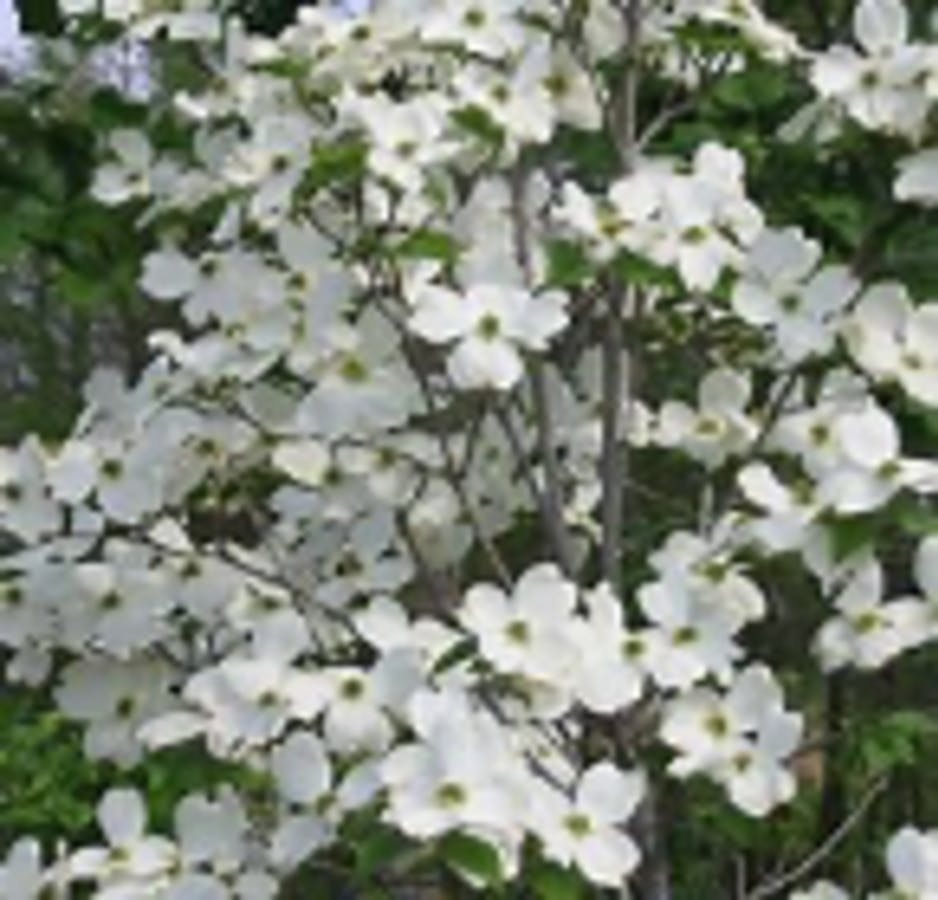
[[782, 288], [585, 830], [489, 327], [740, 739], [868, 632]]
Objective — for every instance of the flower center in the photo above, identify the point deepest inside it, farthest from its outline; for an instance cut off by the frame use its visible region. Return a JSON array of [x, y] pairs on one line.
[[353, 370], [866, 622], [633, 648], [450, 795], [578, 825], [717, 725], [474, 17], [112, 469], [352, 689], [489, 327], [684, 636], [518, 632]]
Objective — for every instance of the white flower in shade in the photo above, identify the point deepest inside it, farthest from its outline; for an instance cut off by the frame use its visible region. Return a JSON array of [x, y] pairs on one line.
[[781, 289], [488, 328], [385, 625], [271, 162], [113, 700], [790, 513], [130, 853], [406, 139], [868, 632], [26, 507], [360, 702], [912, 861], [243, 703], [587, 830], [360, 389], [169, 274], [303, 775], [883, 87], [125, 607], [130, 173], [892, 339], [704, 566], [129, 477], [212, 832], [517, 102], [741, 739], [707, 222], [306, 461], [718, 428], [22, 876], [487, 27], [917, 181], [571, 89], [201, 585], [597, 224], [871, 469], [881, 25], [525, 633], [689, 639], [442, 782], [366, 562], [612, 661], [301, 768]]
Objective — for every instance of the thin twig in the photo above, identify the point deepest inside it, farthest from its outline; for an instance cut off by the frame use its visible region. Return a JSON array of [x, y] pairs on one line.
[[827, 847], [551, 503]]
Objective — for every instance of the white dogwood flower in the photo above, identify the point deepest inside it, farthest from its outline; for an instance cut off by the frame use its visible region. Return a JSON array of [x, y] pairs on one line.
[[489, 328]]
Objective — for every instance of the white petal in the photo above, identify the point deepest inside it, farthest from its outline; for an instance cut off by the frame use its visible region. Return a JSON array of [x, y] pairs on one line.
[[301, 768], [607, 858], [441, 315], [608, 794], [881, 25], [306, 461], [869, 438], [724, 390], [926, 566], [168, 274], [122, 816], [480, 363]]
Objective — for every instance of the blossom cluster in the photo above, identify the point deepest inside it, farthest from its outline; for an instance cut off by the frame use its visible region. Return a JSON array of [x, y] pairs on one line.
[[353, 528]]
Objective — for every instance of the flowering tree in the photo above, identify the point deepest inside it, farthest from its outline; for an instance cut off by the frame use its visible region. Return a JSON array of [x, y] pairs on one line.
[[457, 292]]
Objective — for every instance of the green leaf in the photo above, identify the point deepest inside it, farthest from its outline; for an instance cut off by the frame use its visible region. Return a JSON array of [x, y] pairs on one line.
[[109, 109], [896, 739], [843, 215], [848, 535], [550, 882], [568, 264], [39, 16], [915, 516], [454, 655], [429, 244], [633, 269], [82, 291], [375, 850], [337, 163], [477, 121], [472, 857]]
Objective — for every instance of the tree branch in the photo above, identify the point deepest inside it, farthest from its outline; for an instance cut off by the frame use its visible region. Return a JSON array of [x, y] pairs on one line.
[[817, 856]]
